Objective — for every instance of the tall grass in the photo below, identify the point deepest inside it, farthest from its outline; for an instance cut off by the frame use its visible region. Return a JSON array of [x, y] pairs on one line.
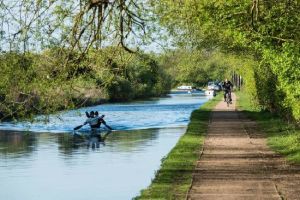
[[283, 137]]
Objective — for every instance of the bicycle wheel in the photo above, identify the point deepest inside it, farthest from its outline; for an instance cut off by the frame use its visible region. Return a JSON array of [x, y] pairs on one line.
[[227, 99]]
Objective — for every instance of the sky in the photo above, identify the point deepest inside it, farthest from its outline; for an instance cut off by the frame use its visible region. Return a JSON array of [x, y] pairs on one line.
[[15, 17]]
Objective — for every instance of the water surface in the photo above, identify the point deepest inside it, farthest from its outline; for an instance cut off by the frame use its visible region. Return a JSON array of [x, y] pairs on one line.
[[49, 162]]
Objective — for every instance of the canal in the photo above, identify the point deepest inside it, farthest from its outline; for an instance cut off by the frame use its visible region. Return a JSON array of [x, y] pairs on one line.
[[44, 160]]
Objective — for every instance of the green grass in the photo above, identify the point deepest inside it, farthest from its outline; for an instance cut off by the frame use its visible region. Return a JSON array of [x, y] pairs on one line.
[[174, 178], [283, 137]]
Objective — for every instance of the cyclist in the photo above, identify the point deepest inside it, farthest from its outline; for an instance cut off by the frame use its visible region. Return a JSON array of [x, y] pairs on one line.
[[227, 87]]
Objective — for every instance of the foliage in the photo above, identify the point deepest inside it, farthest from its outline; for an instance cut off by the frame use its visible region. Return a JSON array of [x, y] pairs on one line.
[[32, 83], [196, 67], [33, 25], [285, 65], [127, 76], [267, 32]]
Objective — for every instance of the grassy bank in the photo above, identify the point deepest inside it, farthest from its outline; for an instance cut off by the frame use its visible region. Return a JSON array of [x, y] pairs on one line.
[[173, 179], [283, 137]]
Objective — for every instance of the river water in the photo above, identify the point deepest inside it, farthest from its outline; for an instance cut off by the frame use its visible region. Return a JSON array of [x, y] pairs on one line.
[[45, 160]]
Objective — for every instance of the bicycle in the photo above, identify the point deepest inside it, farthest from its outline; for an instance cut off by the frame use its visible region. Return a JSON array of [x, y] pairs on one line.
[[227, 98]]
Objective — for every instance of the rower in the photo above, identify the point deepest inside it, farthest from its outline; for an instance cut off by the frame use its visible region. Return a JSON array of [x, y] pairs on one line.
[[101, 120], [91, 120], [94, 121]]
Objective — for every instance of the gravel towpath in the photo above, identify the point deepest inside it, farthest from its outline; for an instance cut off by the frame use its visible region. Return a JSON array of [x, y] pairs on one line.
[[236, 162]]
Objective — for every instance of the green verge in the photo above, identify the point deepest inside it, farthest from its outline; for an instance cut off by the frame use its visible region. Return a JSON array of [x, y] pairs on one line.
[[283, 137], [174, 178]]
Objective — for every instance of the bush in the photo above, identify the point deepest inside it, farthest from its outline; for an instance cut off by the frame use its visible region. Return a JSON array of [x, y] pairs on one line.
[[59, 79]]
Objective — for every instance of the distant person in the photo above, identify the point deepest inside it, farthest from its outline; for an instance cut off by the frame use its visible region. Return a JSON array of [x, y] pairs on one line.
[[101, 121], [227, 87], [94, 121], [91, 119]]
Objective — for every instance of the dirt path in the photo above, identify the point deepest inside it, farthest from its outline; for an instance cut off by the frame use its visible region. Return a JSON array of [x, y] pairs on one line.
[[236, 163]]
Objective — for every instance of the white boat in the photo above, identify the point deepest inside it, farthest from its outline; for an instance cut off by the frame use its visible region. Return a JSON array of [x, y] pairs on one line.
[[184, 87], [213, 86], [210, 92]]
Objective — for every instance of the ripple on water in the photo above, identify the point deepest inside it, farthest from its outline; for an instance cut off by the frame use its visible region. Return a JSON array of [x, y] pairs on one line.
[[52, 166], [164, 112]]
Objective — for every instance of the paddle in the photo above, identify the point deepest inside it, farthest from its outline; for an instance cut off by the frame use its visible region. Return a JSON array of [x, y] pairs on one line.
[[103, 122], [78, 127]]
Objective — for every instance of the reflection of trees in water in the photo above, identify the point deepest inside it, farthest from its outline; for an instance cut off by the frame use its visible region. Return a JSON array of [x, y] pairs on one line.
[[20, 143], [17, 143], [119, 141]]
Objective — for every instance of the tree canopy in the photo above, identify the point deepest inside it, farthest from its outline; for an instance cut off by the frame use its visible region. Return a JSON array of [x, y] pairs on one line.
[[258, 39], [266, 33], [30, 25]]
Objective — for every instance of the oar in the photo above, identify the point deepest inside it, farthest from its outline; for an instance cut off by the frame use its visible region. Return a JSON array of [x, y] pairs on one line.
[[104, 122], [110, 128], [78, 127]]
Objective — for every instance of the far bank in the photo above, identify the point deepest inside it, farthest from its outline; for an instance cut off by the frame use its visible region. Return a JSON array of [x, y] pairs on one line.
[[60, 79]]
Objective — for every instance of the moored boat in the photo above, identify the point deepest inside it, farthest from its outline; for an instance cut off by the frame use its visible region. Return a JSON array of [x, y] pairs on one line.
[[210, 92]]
